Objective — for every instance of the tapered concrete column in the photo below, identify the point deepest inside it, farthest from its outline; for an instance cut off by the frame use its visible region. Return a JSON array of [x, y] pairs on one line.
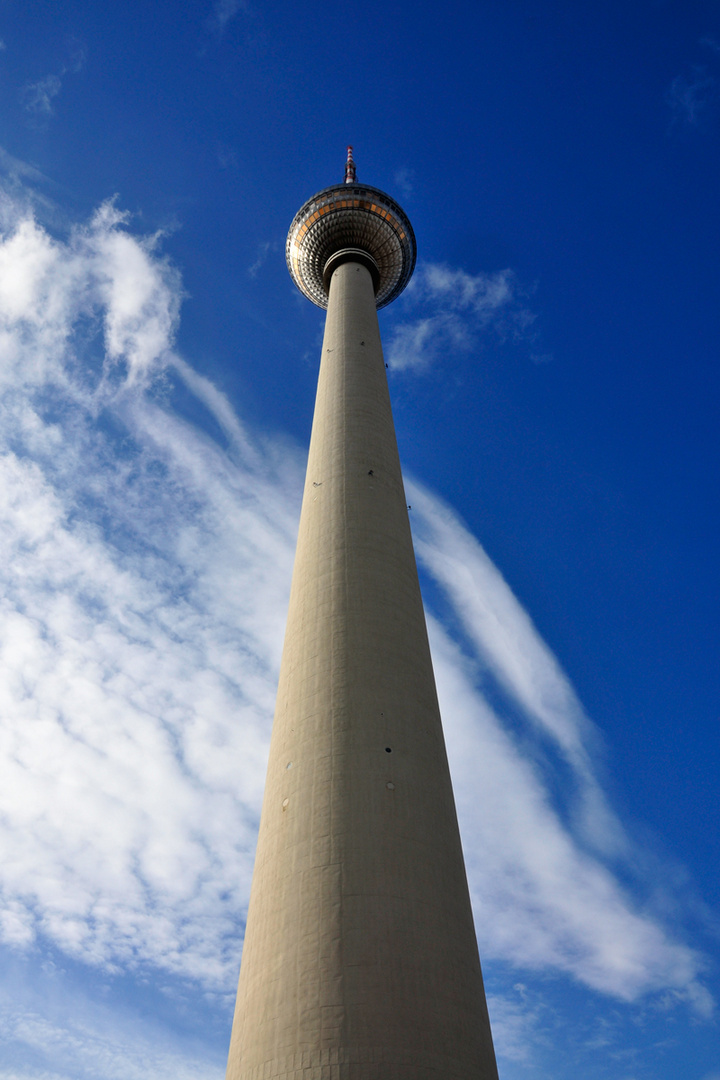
[[360, 960]]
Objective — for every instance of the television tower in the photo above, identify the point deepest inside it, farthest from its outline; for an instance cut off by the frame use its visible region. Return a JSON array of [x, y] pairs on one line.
[[360, 959]]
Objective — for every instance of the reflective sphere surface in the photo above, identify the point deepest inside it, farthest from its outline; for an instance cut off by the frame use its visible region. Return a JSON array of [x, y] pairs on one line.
[[350, 216]]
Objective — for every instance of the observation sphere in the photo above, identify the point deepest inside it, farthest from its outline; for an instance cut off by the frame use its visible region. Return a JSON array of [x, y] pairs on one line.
[[346, 218]]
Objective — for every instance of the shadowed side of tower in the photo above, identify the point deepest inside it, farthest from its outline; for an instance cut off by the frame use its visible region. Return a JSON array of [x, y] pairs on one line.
[[360, 959]]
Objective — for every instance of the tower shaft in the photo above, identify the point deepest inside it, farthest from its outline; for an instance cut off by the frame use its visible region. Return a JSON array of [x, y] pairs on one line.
[[360, 960]]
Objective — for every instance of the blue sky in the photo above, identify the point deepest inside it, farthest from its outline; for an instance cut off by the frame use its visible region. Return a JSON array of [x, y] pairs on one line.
[[554, 374]]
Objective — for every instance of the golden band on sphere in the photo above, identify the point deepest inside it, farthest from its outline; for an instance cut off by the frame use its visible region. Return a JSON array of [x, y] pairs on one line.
[[350, 216]]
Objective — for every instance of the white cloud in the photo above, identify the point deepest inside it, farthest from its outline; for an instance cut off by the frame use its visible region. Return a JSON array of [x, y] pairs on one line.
[[93, 1046], [542, 899], [145, 578], [502, 634], [38, 97], [404, 179], [47, 289], [137, 692], [457, 308], [264, 250], [514, 1021]]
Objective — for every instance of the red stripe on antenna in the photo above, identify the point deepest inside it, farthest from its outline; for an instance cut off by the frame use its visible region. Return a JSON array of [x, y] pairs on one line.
[[350, 173]]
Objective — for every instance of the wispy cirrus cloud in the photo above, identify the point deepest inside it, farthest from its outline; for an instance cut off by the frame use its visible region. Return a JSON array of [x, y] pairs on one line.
[[693, 98], [93, 1045], [263, 251], [690, 98], [38, 97], [500, 631], [227, 157], [451, 309], [405, 181], [223, 12], [145, 572], [516, 1022], [93, 604]]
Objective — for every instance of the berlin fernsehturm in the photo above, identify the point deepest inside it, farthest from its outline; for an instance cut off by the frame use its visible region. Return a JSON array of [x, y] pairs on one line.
[[360, 959]]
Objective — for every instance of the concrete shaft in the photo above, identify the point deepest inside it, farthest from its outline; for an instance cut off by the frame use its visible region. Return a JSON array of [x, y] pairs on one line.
[[360, 960]]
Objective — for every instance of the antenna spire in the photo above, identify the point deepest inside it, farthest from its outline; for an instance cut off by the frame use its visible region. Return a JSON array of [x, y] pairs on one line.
[[350, 174]]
